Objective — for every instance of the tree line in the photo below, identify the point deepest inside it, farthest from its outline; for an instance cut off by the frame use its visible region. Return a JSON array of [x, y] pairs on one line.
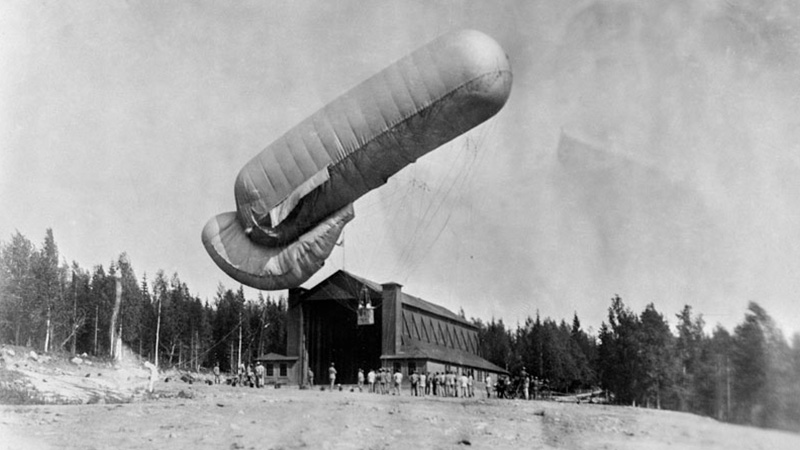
[[749, 376], [50, 305]]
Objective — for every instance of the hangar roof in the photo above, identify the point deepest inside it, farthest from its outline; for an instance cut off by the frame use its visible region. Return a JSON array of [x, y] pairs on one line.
[[343, 285]]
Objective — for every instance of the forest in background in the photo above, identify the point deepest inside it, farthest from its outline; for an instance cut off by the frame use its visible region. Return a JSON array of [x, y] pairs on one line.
[[50, 305], [749, 376]]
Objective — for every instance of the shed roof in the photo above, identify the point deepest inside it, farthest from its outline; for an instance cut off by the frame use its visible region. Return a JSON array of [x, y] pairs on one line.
[[271, 357]]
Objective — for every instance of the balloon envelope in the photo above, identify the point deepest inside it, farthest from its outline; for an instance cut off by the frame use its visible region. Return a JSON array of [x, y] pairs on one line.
[[353, 145]]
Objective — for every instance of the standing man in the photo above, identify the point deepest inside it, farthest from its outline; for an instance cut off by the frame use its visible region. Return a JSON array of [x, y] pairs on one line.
[[250, 375], [310, 377], [332, 376], [385, 381], [371, 380], [398, 379], [259, 375], [414, 378], [488, 382], [241, 374], [526, 385], [449, 381], [216, 373], [360, 380], [423, 379]]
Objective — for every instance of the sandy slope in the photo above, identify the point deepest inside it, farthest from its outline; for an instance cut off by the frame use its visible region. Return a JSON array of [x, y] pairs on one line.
[[225, 417], [199, 416]]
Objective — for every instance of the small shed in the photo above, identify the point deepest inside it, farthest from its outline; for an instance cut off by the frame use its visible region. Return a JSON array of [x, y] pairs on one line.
[[279, 369]]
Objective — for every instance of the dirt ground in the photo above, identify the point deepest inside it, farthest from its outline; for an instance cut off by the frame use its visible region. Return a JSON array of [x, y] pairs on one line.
[[200, 416]]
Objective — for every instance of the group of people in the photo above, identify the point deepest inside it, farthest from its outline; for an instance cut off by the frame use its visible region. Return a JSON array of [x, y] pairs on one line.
[[449, 383], [385, 381], [381, 381], [521, 386], [246, 375]]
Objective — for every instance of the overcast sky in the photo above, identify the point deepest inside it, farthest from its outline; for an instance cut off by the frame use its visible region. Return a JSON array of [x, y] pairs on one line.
[[676, 180]]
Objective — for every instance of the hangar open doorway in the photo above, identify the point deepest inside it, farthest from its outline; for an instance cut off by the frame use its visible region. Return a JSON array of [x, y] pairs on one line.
[[332, 332], [326, 323]]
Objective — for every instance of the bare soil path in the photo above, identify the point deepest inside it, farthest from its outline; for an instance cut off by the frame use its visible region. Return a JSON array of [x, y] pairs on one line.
[[221, 417], [110, 410]]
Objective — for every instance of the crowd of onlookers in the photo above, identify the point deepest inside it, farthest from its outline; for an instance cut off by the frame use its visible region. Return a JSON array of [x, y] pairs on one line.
[[447, 384], [246, 375], [443, 384], [386, 382]]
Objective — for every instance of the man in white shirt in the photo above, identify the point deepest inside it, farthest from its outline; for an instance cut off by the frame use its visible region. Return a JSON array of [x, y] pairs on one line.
[[371, 380], [398, 379], [332, 375]]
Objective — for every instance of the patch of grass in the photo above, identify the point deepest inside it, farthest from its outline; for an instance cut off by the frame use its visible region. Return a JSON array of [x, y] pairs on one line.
[[13, 390]]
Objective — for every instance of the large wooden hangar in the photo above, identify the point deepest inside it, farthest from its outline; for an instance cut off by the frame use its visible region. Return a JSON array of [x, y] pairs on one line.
[[359, 324]]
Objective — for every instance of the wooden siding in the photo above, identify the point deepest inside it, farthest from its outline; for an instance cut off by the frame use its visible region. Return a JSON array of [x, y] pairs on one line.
[[418, 324]]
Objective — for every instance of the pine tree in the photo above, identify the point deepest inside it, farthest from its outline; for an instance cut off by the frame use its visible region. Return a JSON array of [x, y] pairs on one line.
[[759, 357], [47, 292], [16, 283], [620, 354], [656, 357], [692, 365]]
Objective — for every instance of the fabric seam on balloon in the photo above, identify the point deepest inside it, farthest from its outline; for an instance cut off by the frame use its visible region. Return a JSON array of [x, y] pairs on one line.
[[392, 127]]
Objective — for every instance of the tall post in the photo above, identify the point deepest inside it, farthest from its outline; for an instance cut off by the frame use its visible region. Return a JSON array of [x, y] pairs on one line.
[[239, 361], [158, 329], [112, 329], [96, 312], [74, 315]]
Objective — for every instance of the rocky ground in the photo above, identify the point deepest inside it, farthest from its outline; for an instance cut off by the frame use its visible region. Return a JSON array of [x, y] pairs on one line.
[[111, 410]]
